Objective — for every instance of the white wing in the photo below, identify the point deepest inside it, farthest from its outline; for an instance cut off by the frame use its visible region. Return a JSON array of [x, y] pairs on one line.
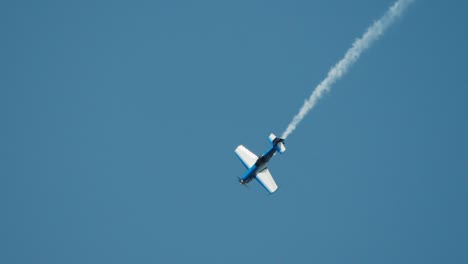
[[265, 178], [247, 157]]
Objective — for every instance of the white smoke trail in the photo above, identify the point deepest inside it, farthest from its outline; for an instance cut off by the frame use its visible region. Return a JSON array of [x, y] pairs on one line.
[[351, 56]]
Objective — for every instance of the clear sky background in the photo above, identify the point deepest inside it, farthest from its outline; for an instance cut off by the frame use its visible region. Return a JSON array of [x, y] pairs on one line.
[[119, 120]]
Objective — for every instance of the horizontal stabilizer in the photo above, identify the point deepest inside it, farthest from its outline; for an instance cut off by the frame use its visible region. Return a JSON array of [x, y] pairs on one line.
[[278, 145], [271, 137]]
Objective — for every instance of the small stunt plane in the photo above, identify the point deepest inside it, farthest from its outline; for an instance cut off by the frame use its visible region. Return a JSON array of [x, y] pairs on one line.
[[257, 167]]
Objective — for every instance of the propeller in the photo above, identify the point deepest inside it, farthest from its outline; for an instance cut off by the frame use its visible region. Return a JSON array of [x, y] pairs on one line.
[[242, 182]]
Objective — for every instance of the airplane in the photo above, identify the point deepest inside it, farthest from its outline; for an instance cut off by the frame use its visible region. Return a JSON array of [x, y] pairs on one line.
[[257, 167]]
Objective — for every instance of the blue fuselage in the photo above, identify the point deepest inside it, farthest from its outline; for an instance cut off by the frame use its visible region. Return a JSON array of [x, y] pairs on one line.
[[259, 165]]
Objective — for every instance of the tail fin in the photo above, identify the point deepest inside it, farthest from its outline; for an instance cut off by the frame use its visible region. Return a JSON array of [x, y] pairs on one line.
[[277, 142]]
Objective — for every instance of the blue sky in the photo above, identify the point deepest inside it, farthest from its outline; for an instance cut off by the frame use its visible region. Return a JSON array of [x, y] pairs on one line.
[[119, 120]]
